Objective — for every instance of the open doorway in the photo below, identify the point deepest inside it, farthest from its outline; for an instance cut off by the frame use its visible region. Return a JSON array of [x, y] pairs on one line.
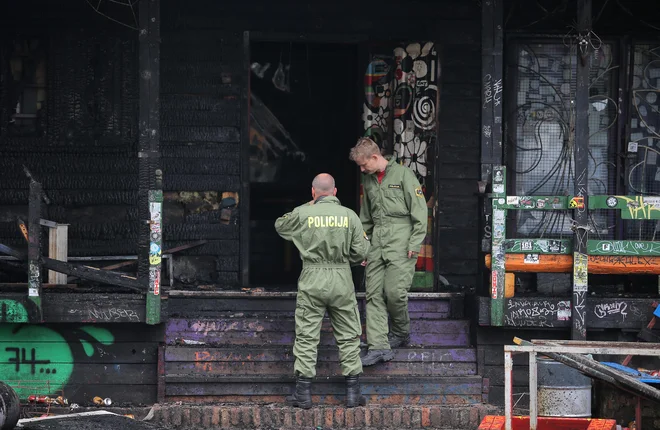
[[304, 117]]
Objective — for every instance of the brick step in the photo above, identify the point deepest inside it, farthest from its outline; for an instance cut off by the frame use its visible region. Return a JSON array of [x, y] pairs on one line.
[[191, 362], [252, 331], [276, 417], [379, 389]]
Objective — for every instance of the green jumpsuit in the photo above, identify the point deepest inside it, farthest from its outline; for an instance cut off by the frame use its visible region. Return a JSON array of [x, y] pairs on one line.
[[394, 216], [329, 237]]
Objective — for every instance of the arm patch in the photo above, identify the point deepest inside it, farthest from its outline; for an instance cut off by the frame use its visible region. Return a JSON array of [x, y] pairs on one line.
[[419, 192]]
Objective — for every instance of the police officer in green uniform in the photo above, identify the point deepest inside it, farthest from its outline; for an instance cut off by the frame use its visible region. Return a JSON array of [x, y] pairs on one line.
[[329, 237], [394, 216]]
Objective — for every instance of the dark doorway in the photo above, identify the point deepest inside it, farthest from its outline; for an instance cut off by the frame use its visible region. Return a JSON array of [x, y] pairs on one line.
[[304, 118]]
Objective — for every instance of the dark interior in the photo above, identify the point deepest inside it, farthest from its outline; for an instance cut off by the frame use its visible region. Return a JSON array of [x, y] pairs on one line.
[[320, 112]]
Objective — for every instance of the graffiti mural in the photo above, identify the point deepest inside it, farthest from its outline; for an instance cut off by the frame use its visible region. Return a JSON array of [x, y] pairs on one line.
[[39, 360], [400, 104], [79, 362]]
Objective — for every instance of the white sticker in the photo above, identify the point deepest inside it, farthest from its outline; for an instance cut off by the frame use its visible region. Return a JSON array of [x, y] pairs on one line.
[[33, 292], [498, 188], [512, 200], [531, 259], [564, 310], [652, 201], [632, 146], [500, 201]]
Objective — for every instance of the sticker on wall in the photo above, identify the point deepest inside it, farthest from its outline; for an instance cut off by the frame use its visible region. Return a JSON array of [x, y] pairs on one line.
[[531, 259], [611, 202], [576, 202], [512, 200], [498, 188], [564, 310]]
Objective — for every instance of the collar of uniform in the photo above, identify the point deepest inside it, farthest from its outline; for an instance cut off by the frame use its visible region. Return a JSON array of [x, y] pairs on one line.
[[328, 199], [390, 162]]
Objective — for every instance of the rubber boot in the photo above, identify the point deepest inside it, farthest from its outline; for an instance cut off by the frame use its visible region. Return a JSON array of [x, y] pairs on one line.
[[354, 395], [302, 397]]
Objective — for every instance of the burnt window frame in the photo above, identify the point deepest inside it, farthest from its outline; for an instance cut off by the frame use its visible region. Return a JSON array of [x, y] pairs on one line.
[[617, 133], [8, 86]]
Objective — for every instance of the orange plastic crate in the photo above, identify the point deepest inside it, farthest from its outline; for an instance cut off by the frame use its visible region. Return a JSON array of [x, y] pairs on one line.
[[496, 422]]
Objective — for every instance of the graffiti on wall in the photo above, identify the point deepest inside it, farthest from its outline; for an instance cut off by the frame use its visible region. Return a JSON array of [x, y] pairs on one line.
[[400, 104], [38, 360]]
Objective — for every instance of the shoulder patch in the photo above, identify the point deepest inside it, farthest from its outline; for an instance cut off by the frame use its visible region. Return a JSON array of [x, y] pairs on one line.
[[419, 192], [394, 186]]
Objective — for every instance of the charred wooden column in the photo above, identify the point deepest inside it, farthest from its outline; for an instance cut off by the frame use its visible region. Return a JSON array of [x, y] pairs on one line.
[[491, 131], [150, 175], [581, 151], [34, 248]]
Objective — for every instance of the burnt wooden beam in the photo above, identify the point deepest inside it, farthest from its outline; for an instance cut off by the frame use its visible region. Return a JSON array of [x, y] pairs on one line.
[[34, 247], [93, 274], [581, 161], [150, 188], [244, 202], [491, 112]]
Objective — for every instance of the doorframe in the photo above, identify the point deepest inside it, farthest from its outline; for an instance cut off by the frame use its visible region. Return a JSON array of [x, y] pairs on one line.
[[244, 196], [356, 40]]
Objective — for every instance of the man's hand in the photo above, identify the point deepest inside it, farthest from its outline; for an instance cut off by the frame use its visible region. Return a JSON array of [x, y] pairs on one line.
[[412, 254], [364, 263]]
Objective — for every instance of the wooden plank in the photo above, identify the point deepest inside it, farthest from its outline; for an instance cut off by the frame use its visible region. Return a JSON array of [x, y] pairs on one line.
[[497, 247], [598, 264], [34, 249], [58, 249], [394, 400], [93, 274], [454, 333], [371, 385], [538, 246], [240, 324], [581, 186], [631, 207], [623, 247], [554, 312], [283, 354], [244, 207], [196, 371]]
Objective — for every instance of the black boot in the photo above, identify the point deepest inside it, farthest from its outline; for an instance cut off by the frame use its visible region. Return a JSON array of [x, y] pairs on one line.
[[302, 397], [354, 395]]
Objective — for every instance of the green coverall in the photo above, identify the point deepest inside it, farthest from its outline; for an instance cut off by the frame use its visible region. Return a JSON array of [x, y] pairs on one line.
[[394, 216], [329, 237]]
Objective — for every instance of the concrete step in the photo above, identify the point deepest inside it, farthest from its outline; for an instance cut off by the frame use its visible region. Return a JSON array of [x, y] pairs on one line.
[[271, 417], [281, 331]]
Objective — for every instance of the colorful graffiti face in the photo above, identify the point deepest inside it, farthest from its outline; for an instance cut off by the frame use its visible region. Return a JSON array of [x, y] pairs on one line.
[[39, 360]]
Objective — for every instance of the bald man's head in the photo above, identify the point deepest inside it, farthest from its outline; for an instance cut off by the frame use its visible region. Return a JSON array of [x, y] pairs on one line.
[[323, 185]]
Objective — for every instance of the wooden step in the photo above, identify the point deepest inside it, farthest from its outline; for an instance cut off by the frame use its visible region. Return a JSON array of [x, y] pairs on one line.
[[252, 331], [201, 304], [381, 390]]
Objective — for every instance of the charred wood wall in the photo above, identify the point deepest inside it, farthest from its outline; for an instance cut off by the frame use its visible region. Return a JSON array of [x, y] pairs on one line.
[[85, 151], [202, 78]]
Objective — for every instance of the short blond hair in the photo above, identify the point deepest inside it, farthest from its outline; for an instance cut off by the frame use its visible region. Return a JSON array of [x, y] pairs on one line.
[[365, 147]]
